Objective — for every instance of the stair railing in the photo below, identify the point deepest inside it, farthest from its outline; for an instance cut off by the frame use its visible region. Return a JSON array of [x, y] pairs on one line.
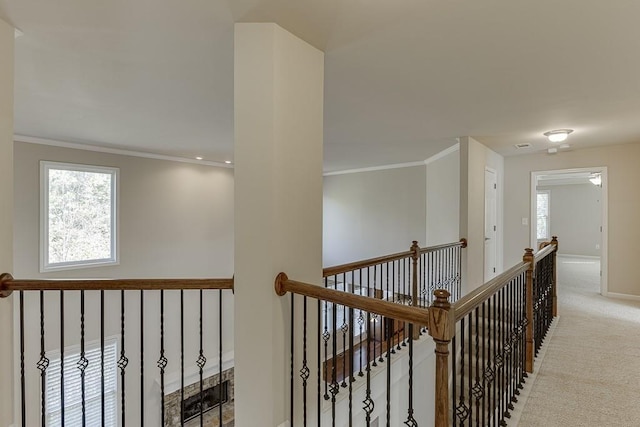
[[113, 325], [486, 342], [367, 315]]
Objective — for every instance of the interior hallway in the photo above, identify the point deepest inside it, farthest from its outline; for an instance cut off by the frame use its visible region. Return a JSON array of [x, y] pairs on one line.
[[590, 372]]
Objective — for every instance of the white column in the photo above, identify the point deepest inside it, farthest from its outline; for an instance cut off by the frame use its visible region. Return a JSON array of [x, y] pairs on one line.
[[278, 207], [6, 219]]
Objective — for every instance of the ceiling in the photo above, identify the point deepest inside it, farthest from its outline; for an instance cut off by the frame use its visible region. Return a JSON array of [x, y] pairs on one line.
[[403, 78]]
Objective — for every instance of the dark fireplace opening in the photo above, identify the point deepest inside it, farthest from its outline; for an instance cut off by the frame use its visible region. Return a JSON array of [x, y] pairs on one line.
[[211, 398]]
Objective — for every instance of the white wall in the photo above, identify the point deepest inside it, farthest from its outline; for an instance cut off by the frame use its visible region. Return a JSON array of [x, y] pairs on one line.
[[176, 220], [443, 199], [576, 216], [474, 159], [6, 215], [623, 201], [369, 214]]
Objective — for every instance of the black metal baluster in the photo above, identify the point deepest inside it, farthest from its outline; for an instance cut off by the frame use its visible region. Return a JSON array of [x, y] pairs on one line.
[[351, 361], [292, 343], [368, 402], [462, 411], [304, 372], [503, 319], [411, 422], [476, 390], [23, 401], [43, 363], [344, 328], [334, 388], [375, 316], [405, 284], [123, 361], [470, 365], [201, 361], [325, 337], [454, 373], [141, 358], [493, 360], [380, 318], [484, 358], [181, 357], [220, 320], [389, 325], [62, 358], [319, 371], [393, 284], [83, 362], [102, 396], [511, 343], [361, 321], [162, 361]]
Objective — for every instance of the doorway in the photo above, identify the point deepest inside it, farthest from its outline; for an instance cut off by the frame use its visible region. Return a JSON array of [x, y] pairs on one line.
[[572, 204]]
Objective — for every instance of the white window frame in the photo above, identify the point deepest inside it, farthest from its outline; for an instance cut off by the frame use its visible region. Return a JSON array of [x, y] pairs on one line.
[[548, 236], [92, 346], [45, 167]]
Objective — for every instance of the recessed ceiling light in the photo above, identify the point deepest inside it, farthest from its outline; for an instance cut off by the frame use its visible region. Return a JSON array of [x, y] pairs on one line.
[[228, 162], [558, 135], [198, 158]]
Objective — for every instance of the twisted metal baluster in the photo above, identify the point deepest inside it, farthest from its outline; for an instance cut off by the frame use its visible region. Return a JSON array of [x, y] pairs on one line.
[[123, 361], [162, 361], [411, 422], [304, 372], [201, 361], [43, 363], [83, 362]]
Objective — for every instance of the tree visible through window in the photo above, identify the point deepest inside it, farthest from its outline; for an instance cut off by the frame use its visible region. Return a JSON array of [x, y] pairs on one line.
[[78, 215], [542, 206]]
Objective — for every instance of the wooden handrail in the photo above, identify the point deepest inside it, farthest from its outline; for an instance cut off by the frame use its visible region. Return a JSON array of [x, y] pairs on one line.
[[343, 268], [8, 284], [544, 252], [462, 243], [392, 310], [469, 302]]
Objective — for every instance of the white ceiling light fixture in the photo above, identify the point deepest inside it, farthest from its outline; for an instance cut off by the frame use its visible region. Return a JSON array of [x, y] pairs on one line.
[[558, 135]]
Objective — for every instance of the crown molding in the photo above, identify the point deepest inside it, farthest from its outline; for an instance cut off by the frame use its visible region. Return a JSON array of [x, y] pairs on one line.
[[455, 147], [119, 151], [431, 159], [376, 168]]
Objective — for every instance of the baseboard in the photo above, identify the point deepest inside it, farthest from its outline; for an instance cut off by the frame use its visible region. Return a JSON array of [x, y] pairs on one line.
[[622, 296], [578, 256]]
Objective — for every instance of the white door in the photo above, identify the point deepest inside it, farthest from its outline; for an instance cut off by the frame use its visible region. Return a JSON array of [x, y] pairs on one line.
[[490, 224]]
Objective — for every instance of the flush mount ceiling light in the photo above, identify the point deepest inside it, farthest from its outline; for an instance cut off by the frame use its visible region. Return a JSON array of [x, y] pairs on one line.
[[558, 135]]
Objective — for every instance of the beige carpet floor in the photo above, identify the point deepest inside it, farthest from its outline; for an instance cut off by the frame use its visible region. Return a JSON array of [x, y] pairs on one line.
[[590, 372]]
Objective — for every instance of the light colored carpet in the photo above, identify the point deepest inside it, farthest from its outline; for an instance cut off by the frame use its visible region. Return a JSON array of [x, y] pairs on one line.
[[590, 372]]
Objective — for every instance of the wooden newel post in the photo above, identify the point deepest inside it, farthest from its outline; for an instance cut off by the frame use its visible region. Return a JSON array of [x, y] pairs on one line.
[[414, 285], [530, 259], [441, 326], [554, 294]]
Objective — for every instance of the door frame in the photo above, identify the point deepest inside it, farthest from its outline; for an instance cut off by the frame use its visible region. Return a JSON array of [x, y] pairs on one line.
[[604, 205], [484, 225]]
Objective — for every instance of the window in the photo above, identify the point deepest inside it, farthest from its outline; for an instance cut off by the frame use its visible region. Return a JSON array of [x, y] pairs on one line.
[[92, 386], [542, 207], [78, 215]]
